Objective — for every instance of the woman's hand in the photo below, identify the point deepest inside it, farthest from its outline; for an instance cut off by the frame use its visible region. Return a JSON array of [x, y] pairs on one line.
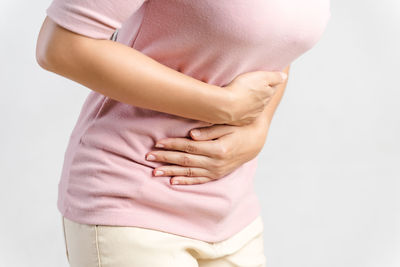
[[218, 150], [215, 152], [253, 90]]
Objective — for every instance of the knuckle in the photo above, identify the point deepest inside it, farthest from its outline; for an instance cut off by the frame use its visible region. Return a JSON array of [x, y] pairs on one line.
[[189, 172], [190, 148], [218, 173], [216, 165], [221, 151]]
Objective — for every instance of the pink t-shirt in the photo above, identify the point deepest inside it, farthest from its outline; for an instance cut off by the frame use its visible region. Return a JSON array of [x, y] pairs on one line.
[[106, 178]]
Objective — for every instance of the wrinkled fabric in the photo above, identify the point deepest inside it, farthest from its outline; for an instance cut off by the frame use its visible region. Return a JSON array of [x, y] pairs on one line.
[[105, 177]]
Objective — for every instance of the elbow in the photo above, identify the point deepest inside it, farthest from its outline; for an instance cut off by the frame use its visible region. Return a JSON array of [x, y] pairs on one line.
[[50, 45], [47, 58], [42, 58], [43, 53]]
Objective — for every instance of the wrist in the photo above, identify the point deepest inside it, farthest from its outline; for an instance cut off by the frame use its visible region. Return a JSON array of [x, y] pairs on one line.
[[222, 106]]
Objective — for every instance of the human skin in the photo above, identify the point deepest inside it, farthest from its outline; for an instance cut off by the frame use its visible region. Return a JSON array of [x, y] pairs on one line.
[[217, 150], [129, 76], [134, 78]]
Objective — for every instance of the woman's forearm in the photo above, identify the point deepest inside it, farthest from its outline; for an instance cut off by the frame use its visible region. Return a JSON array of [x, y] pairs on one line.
[[221, 150], [126, 75]]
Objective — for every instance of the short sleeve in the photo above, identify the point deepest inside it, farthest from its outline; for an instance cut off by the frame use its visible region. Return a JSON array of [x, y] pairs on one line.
[[97, 19]]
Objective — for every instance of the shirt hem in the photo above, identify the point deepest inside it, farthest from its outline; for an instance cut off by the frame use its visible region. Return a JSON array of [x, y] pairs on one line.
[[186, 227]]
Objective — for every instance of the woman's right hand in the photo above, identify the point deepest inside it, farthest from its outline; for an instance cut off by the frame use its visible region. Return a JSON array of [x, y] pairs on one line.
[[249, 93]]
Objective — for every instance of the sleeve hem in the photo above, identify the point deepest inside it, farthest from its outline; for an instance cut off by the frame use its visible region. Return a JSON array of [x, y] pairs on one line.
[[78, 24]]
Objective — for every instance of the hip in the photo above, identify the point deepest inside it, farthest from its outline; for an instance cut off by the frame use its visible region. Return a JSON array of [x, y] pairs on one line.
[[111, 246]]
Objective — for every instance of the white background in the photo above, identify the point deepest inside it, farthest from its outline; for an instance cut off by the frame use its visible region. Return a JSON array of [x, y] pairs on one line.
[[327, 176]]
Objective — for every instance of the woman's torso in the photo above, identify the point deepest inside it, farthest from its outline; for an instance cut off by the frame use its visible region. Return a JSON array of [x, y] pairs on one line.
[[105, 177]]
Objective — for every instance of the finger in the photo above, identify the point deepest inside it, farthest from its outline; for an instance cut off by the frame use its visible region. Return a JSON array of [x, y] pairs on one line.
[[179, 158], [275, 78], [211, 132], [176, 170], [181, 180], [210, 148]]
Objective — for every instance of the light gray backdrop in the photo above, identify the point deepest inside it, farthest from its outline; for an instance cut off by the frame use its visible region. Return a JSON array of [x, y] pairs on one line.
[[328, 174]]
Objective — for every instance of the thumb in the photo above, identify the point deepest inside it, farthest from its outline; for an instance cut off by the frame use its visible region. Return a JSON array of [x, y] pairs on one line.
[[275, 78], [211, 132]]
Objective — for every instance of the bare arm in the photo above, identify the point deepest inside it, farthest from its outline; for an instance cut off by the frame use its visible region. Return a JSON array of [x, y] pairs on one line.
[[217, 150], [124, 74]]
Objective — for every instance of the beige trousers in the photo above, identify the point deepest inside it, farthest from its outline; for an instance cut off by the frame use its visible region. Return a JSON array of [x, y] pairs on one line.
[[120, 246]]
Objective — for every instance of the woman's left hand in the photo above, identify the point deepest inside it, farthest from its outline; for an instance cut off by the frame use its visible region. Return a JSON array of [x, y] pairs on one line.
[[216, 152]]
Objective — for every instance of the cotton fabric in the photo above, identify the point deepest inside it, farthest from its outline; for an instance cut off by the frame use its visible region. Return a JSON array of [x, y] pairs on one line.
[[127, 246], [105, 178]]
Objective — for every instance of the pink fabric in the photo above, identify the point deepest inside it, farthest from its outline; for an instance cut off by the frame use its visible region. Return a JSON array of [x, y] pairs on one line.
[[106, 178]]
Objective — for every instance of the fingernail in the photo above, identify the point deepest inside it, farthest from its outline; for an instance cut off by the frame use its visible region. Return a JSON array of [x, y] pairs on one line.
[[195, 132], [284, 75], [159, 145], [158, 173], [175, 182], [150, 157]]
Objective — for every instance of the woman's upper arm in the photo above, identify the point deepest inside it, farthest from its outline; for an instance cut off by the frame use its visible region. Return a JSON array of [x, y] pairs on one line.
[[95, 19]]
